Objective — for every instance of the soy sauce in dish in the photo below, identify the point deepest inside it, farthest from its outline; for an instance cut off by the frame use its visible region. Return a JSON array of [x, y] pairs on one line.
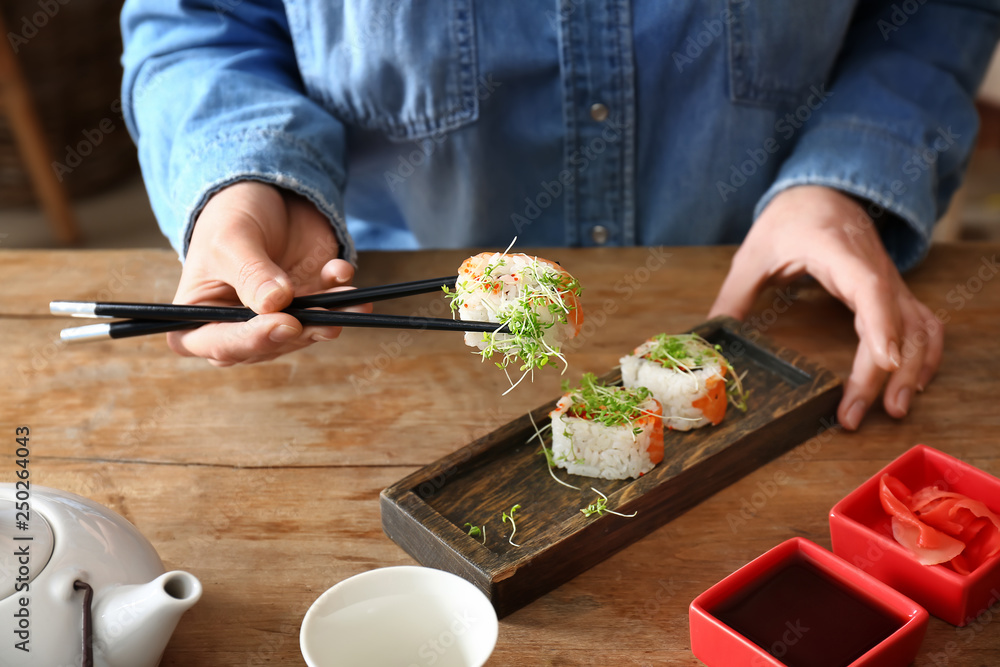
[[806, 619]]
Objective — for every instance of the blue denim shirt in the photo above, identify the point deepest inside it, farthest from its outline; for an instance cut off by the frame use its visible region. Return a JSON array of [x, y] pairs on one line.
[[575, 122]]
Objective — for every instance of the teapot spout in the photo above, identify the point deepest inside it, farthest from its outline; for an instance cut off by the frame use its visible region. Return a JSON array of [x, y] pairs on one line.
[[132, 624]]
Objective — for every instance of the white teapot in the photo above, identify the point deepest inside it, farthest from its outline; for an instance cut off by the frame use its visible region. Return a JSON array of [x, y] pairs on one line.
[[67, 563]]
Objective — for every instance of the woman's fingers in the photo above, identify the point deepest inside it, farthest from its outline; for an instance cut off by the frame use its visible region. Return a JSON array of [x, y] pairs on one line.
[[262, 338], [228, 343], [260, 284], [935, 350], [874, 296], [923, 342], [862, 389], [902, 384], [750, 271], [337, 272]]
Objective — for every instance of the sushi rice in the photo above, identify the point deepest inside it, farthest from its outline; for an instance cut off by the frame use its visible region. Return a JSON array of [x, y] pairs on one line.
[[686, 374], [606, 431]]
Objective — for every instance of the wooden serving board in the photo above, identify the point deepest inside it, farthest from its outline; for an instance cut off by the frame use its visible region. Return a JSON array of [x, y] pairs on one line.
[[791, 399]]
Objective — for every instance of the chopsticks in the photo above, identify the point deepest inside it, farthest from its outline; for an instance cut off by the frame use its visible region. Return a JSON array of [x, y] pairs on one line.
[[153, 318], [143, 327], [326, 300]]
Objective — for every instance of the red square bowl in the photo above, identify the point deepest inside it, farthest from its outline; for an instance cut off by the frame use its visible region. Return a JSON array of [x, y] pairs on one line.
[[862, 535], [798, 605]]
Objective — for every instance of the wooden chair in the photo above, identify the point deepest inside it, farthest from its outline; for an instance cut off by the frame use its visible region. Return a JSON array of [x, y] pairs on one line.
[[15, 101]]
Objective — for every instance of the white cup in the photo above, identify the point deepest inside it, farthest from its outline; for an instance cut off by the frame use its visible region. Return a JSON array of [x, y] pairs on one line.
[[403, 616]]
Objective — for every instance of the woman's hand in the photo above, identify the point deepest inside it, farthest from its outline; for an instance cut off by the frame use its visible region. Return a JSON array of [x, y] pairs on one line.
[[258, 246], [822, 232]]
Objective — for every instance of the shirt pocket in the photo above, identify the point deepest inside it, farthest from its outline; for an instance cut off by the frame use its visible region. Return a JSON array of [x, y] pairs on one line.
[[778, 49], [407, 69]]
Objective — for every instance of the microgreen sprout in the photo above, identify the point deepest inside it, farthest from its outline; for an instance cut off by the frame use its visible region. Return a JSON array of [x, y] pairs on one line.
[[476, 531], [509, 516], [549, 458], [600, 507], [610, 406], [734, 386], [688, 352]]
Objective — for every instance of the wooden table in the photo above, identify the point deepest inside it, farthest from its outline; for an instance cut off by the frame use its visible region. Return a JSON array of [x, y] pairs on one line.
[[263, 480]]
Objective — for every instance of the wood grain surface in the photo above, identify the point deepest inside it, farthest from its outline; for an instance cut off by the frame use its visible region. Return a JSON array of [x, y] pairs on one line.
[[264, 480]]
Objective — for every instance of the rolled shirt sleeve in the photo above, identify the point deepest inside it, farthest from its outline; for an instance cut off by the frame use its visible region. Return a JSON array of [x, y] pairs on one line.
[[897, 124], [212, 95]]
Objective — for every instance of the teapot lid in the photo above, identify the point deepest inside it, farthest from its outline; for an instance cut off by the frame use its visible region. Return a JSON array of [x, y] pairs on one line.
[[29, 551]]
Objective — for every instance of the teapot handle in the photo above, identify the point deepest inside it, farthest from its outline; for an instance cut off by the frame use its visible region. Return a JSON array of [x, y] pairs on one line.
[[88, 635]]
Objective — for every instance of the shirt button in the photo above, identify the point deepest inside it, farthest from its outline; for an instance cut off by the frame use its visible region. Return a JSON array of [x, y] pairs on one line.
[[600, 234], [599, 112]]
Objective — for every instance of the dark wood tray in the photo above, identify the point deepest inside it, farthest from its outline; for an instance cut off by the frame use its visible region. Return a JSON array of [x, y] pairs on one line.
[[424, 512]]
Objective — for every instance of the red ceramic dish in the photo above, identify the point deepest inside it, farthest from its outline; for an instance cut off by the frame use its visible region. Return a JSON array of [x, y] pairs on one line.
[[862, 535], [800, 605]]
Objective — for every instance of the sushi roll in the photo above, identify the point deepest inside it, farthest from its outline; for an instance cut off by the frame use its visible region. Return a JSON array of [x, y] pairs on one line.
[[685, 374], [537, 299], [608, 432]]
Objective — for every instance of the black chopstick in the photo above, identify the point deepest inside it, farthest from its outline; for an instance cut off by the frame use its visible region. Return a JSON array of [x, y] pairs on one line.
[[126, 329], [153, 318], [370, 294], [178, 312], [341, 299], [131, 328]]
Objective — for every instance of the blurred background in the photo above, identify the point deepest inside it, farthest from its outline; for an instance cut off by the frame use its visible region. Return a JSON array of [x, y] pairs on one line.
[[68, 169]]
